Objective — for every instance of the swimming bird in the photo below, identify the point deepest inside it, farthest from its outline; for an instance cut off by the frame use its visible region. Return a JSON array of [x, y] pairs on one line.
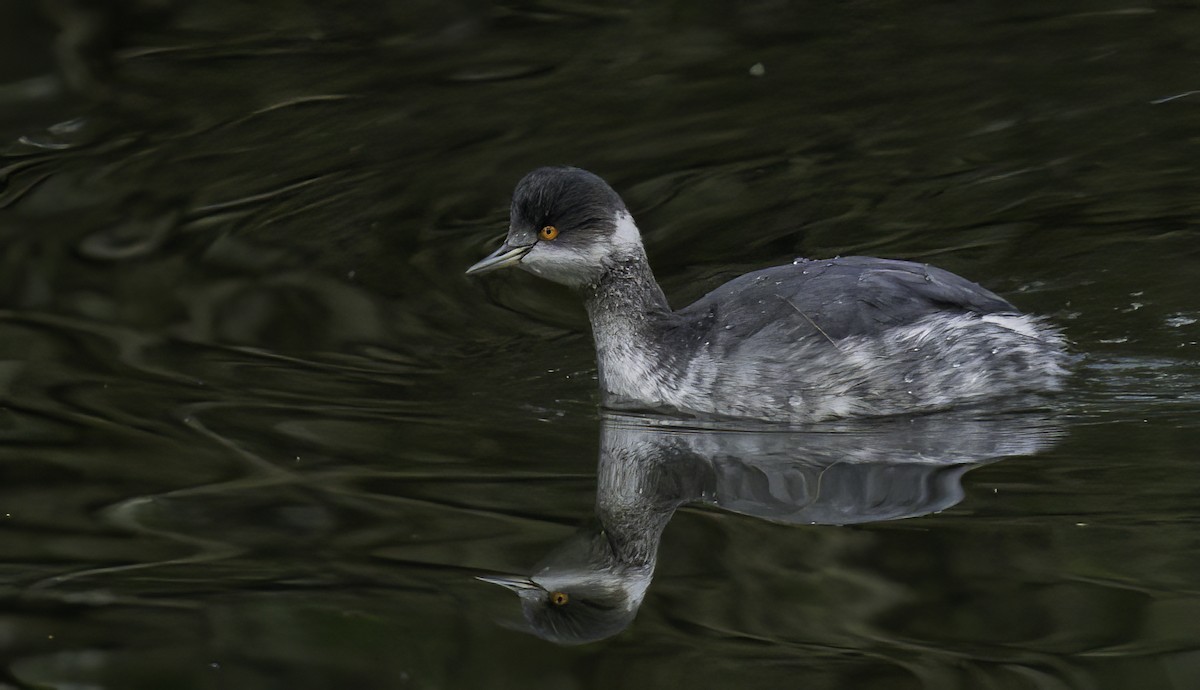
[[807, 341]]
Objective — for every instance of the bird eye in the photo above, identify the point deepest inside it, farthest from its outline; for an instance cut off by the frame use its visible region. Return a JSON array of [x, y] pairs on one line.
[[559, 598], [548, 233]]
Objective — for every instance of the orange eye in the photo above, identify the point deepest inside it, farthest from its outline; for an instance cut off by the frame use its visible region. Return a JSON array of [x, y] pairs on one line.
[[548, 233], [559, 598]]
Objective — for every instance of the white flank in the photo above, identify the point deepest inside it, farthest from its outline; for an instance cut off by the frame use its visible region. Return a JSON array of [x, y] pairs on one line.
[[1018, 323]]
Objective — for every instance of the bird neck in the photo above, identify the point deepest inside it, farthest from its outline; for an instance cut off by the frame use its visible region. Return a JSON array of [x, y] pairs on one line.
[[644, 475], [634, 530], [627, 309], [627, 286]]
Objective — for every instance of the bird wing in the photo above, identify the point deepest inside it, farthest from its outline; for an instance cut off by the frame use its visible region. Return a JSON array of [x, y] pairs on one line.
[[842, 297]]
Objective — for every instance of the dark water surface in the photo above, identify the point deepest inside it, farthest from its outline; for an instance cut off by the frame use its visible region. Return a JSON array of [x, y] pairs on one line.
[[259, 431]]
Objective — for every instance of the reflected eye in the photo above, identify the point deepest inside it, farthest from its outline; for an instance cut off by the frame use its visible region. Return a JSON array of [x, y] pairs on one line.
[[559, 598], [548, 233]]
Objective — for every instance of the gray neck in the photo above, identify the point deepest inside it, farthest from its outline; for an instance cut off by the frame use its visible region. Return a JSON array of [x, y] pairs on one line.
[[633, 504], [627, 309], [635, 536], [627, 287]]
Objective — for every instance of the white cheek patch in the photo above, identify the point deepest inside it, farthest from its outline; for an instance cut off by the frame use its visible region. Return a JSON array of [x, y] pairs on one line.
[[561, 264], [627, 238], [579, 264]]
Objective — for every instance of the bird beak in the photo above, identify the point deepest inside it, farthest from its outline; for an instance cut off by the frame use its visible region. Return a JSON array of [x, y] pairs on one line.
[[502, 257], [515, 584]]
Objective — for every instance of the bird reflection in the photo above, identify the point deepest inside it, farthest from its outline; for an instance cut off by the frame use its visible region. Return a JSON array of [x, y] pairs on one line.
[[590, 586]]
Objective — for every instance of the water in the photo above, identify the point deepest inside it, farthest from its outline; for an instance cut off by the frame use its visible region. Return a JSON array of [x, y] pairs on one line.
[[259, 432]]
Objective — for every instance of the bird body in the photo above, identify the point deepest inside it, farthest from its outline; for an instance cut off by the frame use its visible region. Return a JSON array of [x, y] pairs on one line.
[[806, 341]]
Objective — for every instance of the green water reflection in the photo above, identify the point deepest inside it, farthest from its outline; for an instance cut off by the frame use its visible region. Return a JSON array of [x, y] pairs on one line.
[[256, 430]]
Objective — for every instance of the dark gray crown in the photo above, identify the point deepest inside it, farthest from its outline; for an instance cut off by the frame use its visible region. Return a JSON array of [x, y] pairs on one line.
[[568, 198]]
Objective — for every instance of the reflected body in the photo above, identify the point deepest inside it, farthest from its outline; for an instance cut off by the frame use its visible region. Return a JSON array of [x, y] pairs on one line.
[[812, 340], [591, 586]]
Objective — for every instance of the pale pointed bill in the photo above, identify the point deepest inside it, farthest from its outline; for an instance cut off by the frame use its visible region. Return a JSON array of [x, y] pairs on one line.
[[501, 258], [516, 584]]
